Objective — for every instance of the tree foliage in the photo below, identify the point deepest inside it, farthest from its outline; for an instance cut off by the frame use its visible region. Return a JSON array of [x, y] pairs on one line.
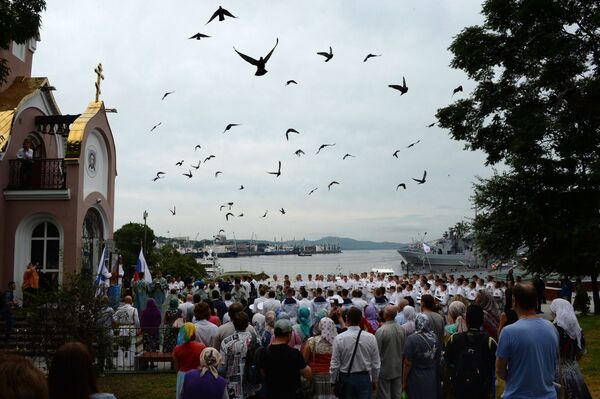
[[535, 114], [20, 20], [176, 264], [128, 240]]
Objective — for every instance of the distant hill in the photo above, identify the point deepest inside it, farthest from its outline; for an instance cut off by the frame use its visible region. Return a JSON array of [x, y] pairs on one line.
[[352, 244]]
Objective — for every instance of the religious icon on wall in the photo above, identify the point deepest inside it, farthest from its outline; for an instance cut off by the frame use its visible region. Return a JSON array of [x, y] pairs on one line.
[[91, 161]]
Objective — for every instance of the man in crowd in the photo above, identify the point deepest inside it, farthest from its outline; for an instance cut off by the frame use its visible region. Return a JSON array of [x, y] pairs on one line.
[[187, 308], [219, 304], [527, 350], [437, 320], [390, 341], [227, 329], [361, 379]]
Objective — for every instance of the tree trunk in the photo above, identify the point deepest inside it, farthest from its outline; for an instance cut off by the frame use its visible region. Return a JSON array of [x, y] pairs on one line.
[[595, 294]]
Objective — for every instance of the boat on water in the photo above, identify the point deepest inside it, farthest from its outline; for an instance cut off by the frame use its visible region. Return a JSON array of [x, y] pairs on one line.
[[446, 253], [209, 260], [304, 254]]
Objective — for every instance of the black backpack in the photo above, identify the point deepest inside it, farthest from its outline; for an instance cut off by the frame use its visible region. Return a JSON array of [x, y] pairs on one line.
[[472, 371]]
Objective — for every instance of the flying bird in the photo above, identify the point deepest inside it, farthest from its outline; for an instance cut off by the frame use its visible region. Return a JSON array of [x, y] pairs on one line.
[[155, 126], [208, 158], [221, 207], [167, 94], [331, 184], [348, 155], [413, 144], [371, 56], [198, 36], [241, 187], [402, 89], [299, 152], [278, 173], [189, 174], [290, 82], [241, 215], [313, 190], [230, 126], [323, 146], [179, 163], [230, 204], [282, 211], [290, 130], [156, 178], [459, 88], [172, 211], [197, 147], [401, 185], [217, 173], [228, 214], [421, 181], [221, 13], [261, 62], [196, 166], [221, 231], [395, 154], [328, 55], [265, 215], [431, 124], [159, 174]]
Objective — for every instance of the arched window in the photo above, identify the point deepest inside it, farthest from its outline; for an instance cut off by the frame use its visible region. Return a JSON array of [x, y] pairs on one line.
[[45, 253], [92, 239]]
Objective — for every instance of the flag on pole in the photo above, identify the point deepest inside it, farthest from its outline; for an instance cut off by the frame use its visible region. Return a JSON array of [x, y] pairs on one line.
[[426, 248], [103, 275], [142, 267]]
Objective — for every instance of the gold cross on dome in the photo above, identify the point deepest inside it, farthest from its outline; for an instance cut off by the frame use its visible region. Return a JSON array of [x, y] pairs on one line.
[[99, 78]]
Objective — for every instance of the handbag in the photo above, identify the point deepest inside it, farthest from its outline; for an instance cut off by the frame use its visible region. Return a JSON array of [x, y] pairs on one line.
[[338, 388]]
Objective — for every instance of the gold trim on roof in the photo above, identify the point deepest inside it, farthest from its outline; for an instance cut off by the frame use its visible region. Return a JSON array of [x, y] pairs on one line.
[[77, 131]]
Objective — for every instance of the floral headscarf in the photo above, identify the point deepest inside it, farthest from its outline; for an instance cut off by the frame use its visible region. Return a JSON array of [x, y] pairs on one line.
[[304, 321], [409, 313], [270, 320], [318, 316], [209, 361], [457, 310], [423, 326], [566, 319], [328, 330], [186, 333]]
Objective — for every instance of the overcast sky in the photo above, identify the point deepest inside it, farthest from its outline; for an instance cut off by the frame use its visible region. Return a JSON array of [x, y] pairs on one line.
[[144, 50]]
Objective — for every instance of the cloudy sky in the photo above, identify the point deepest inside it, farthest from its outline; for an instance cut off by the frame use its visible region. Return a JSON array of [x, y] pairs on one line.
[[144, 50]]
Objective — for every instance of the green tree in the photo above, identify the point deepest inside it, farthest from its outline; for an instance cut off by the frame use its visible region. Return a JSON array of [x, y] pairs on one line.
[[128, 240], [20, 20], [176, 264], [534, 112]]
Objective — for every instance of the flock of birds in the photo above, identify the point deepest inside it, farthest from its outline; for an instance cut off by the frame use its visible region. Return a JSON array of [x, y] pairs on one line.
[[261, 70]]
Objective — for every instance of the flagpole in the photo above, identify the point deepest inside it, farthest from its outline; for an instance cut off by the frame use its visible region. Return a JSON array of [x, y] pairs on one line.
[[145, 215]]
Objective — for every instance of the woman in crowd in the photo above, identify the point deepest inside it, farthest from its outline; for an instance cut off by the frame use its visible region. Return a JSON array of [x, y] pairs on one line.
[[572, 347], [509, 316], [72, 375], [205, 382], [314, 329], [317, 354], [150, 324], [422, 353], [186, 355], [371, 316], [409, 320], [268, 332], [214, 317], [20, 379], [456, 318], [302, 327], [491, 316], [171, 331]]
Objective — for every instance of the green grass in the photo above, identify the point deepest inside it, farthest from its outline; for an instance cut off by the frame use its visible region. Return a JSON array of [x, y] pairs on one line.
[[590, 363]]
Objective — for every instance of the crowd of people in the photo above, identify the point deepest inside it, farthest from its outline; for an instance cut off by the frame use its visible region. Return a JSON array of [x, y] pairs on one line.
[[356, 336]]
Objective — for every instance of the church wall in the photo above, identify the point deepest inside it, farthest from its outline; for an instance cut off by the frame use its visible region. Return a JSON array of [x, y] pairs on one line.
[[17, 66]]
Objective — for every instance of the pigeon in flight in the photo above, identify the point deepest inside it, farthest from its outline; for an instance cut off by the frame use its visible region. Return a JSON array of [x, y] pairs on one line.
[[459, 88], [421, 181], [221, 231], [241, 215], [331, 184], [290, 130], [323, 146], [189, 174], [197, 147], [313, 190], [208, 158], [228, 214], [260, 63], [158, 174], [413, 144], [167, 93], [217, 173], [299, 152], [265, 215], [282, 211], [278, 173], [173, 211], [403, 89], [230, 204], [395, 154], [401, 185], [328, 55], [221, 13], [431, 124], [156, 178], [241, 187], [230, 126], [155, 126], [196, 166], [198, 36], [221, 208], [371, 56], [179, 163], [348, 155], [291, 81]]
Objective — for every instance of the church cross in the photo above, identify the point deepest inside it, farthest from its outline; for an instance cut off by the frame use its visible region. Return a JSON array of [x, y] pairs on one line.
[[99, 78]]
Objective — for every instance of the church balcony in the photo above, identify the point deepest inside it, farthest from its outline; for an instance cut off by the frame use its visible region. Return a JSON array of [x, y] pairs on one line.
[[38, 179]]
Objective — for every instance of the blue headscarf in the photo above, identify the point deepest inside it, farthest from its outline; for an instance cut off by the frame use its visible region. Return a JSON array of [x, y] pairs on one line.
[[304, 321]]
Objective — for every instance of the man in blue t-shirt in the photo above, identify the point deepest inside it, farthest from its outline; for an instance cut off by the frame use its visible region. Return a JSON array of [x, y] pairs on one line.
[[527, 351]]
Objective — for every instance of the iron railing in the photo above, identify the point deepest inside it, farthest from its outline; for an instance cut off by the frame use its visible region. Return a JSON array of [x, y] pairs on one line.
[[37, 174]]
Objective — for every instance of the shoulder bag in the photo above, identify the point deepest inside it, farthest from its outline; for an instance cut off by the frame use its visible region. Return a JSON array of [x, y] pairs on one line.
[[339, 388]]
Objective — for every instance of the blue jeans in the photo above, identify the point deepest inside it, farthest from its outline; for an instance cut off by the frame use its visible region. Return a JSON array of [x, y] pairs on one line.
[[356, 386]]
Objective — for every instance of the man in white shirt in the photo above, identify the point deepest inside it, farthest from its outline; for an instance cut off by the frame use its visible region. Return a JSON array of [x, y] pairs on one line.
[[362, 377], [271, 303], [187, 308], [127, 318], [205, 330], [358, 301]]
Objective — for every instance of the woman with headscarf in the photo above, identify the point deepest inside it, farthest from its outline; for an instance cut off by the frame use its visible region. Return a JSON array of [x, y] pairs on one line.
[[371, 316], [318, 316], [295, 340], [150, 324], [317, 354], [572, 347], [457, 312], [205, 381], [269, 331], [422, 353], [302, 327], [186, 355], [491, 315], [409, 320], [170, 334]]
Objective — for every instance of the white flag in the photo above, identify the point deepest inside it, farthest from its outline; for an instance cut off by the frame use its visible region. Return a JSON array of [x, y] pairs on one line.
[[142, 266], [426, 248], [103, 275]]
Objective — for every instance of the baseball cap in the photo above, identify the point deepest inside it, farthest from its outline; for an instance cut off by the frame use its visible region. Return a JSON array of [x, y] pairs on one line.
[[282, 327]]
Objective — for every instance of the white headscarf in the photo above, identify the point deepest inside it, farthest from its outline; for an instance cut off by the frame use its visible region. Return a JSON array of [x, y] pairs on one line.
[[328, 330], [209, 361], [565, 318]]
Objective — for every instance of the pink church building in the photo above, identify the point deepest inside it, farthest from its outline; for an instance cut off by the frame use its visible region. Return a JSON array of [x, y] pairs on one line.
[[57, 208]]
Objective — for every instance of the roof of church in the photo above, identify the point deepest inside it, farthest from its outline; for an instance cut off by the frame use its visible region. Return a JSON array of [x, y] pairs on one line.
[[77, 130]]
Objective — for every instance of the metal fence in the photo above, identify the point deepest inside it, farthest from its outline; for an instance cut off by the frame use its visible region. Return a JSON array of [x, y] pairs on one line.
[[37, 174]]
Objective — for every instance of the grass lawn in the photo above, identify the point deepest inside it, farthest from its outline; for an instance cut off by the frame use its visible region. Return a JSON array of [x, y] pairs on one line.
[[162, 386]]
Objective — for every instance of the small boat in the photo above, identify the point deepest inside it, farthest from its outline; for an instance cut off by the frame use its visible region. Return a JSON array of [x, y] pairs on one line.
[[304, 254]]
